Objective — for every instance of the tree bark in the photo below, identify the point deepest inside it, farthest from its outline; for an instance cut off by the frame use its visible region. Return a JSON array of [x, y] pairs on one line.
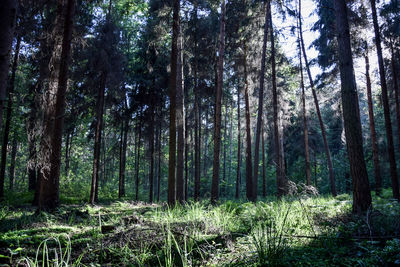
[[375, 148], [54, 106], [172, 108], [316, 102], [279, 161], [8, 117], [218, 106], [138, 144], [122, 158], [260, 105], [180, 124], [159, 162], [151, 146], [8, 14], [11, 170], [97, 139], [249, 180], [351, 112], [238, 146], [395, 88]]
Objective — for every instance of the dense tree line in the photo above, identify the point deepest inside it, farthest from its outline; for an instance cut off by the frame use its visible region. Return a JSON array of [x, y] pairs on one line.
[[178, 100]]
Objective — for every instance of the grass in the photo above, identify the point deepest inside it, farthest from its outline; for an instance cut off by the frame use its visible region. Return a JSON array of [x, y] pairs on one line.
[[317, 231]]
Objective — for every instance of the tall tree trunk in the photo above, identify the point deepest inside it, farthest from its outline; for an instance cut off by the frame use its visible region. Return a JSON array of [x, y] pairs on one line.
[[305, 127], [67, 149], [249, 180], [351, 112], [238, 146], [395, 89], [8, 12], [385, 102], [279, 162], [139, 129], [186, 155], [172, 108], [180, 124], [316, 102], [122, 158], [8, 117], [223, 187], [230, 140], [97, 139], [11, 170], [218, 106], [375, 148], [54, 106], [260, 105], [264, 174], [159, 162], [151, 146]]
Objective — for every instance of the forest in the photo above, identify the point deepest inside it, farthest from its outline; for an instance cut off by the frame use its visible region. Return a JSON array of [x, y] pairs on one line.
[[199, 133]]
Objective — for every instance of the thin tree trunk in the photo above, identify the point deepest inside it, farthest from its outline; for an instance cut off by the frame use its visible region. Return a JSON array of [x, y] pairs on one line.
[[351, 112], [159, 162], [375, 148], [260, 105], [186, 155], [316, 102], [139, 129], [280, 165], [8, 117], [151, 146], [8, 14], [239, 145], [11, 170], [172, 108], [305, 127], [54, 107], [180, 124], [395, 89], [97, 139], [122, 161], [67, 148], [249, 180], [218, 107], [223, 188], [385, 102], [264, 175], [230, 140]]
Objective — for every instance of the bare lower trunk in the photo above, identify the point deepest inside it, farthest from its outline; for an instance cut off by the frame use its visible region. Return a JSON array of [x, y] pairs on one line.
[[260, 106], [218, 98], [395, 89], [159, 162], [11, 170], [264, 170], [238, 146], [138, 144], [375, 148], [351, 112], [122, 159], [151, 146]]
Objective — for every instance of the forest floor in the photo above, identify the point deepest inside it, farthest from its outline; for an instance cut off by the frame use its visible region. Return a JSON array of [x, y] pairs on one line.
[[295, 231]]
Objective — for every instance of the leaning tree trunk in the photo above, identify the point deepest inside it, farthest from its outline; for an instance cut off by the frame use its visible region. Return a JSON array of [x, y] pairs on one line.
[[385, 102], [8, 117], [351, 112], [172, 107], [218, 99], [305, 127], [279, 162], [97, 139], [54, 106], [260, 106], [316, 102], [180, 124], [375, 148], [8, 12]]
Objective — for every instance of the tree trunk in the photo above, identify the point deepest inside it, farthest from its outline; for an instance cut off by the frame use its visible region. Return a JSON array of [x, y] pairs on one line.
[[316, 102], [223, 187], [54, 106], [8, 117], [305, 127], [264, 175], [11, 170], [8, 12], [279, 162], [97, 139], [238, 146], [249, 180], [67, 149], [151, 146], [172, 109], [395, 89], [260, 105], [218, 106], [186, 155], [351, 112], [122, 159], [180, 124], [375, 148], [139, 129], [159, 162]]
